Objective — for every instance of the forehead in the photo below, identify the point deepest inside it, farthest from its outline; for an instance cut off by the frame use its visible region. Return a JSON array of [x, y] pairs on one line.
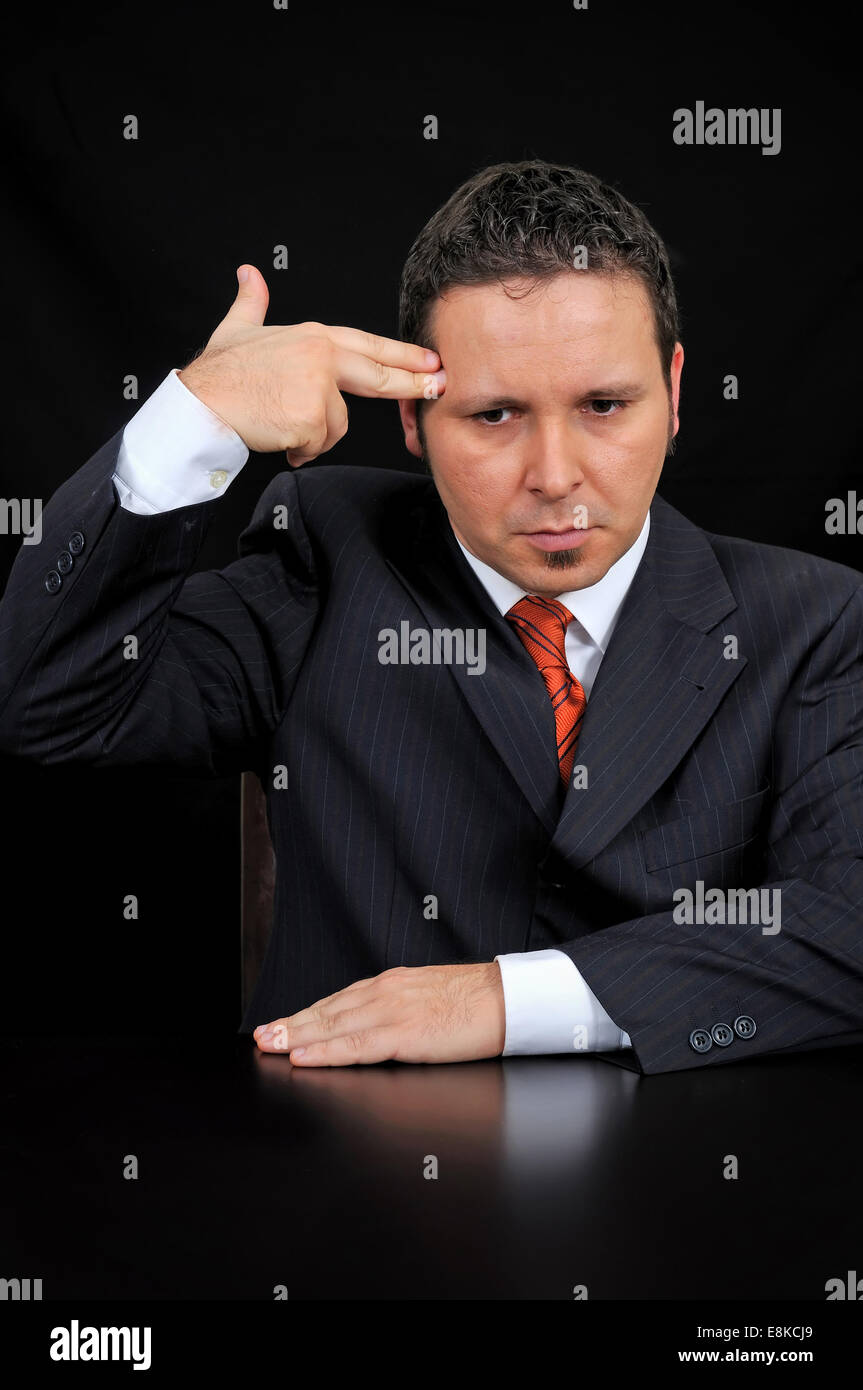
[[574, 310]]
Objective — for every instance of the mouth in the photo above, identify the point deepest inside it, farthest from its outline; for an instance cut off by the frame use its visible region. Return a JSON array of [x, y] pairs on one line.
[[559, 540]]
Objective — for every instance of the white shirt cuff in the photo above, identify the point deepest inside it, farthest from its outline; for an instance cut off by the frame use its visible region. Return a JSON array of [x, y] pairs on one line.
[[175, 452], [550, 1007]]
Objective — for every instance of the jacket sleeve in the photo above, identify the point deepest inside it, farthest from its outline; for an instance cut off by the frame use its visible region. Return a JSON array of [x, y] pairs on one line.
[[111, 654], [684, 992]]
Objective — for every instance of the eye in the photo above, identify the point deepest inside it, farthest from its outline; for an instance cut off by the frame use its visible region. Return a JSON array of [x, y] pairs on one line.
[[497, 411], [604, 413]]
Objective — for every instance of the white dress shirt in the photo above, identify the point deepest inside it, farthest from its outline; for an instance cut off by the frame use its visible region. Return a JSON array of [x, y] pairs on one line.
[[175, 452]]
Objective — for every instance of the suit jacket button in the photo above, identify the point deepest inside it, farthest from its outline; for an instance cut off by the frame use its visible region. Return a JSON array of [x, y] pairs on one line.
[[721, 1034], [700, 1039], [64, 562], [75, 542], [744, 1026], [52, 581]]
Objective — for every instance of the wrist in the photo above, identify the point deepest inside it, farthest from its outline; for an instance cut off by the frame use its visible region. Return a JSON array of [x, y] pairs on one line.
[[196, 382]]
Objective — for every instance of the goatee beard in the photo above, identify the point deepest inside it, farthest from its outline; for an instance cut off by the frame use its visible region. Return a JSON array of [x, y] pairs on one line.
[[562, 559]]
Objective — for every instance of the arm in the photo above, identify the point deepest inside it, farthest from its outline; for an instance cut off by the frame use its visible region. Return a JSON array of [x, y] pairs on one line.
[[669, 984], [107, 650], [205, 684]]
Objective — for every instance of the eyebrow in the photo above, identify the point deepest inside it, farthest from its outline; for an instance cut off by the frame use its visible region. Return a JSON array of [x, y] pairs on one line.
[[479, 402]]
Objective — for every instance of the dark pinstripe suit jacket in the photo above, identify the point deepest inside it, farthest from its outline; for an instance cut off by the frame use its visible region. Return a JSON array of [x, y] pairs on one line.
[[406, 781]]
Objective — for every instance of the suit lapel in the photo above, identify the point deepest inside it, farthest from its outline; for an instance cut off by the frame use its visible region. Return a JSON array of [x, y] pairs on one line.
[[659, 683], [661, 678]]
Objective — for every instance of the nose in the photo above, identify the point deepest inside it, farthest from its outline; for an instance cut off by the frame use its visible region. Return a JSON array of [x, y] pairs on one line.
[[554, 464]]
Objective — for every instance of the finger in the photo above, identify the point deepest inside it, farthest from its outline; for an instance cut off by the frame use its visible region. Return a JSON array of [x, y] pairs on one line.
[[336, 414], [366, 376], [253, 298], [390, 351], [332, 1021], [303, 1016], [349, 1049], [333, 1004]]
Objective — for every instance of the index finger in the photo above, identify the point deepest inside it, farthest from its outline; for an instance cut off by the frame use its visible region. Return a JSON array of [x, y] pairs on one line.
[[390, 351], [368, 376]]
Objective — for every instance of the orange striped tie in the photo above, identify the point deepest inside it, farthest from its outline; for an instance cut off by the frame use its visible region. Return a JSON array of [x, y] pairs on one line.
[[541, 624]]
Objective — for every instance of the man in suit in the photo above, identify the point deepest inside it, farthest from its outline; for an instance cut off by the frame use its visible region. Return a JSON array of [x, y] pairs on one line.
[[549, 768]]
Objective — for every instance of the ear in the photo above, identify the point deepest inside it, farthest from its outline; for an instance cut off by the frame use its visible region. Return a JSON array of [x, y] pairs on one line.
[[676, 369], [408, 412]]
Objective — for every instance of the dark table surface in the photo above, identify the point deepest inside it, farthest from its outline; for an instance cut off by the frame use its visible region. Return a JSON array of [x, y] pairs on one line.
[[552, 1172]]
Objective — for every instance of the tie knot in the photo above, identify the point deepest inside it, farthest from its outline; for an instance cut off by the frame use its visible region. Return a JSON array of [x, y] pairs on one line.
[[541, 624]]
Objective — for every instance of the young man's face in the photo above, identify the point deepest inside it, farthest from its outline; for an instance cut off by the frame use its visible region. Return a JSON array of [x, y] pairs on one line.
[[556, 417]]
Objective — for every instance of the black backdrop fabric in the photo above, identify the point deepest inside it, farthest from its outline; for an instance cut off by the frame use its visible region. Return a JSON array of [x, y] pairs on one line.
[[304, 126]]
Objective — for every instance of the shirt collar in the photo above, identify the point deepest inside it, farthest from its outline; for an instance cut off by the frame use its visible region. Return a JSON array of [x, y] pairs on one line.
[[595, 608]]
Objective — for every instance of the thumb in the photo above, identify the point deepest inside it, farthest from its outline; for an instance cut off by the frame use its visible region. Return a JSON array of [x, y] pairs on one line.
[[253, 297]]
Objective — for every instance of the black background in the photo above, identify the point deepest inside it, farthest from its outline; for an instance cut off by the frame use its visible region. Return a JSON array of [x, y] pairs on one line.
[[305, 127]]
